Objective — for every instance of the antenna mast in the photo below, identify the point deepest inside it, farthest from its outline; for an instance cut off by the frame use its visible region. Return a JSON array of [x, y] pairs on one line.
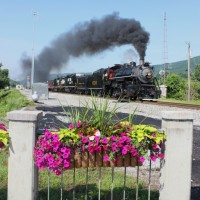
[[165, 48]]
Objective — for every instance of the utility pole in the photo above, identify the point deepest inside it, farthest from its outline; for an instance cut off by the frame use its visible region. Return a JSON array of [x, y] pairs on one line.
[[33, 50], [165, 49], [188, 43]]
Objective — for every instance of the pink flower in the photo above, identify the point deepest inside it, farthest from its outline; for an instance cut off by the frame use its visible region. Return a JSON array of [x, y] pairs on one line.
[[66, 164], [105, 147], [127, 139], [48, 134], [84, 140], [124, 151], [2, 127], [58, 172], [1, 144], [113, 147], [97, 138], [104, 141], [71, 126], [154, 146], [153, 134], [63, 149], [161, 155], [113, 138], [55, 137], [106, 158], [153, 158], [134, 152], [123, 134], [141, 159], [78, 125], [66, 155]]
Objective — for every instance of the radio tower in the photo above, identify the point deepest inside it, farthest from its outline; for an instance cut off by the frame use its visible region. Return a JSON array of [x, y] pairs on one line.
[[165, 48]]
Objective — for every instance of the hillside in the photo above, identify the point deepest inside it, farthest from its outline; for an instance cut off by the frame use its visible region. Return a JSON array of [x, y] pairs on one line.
[[180, 66]]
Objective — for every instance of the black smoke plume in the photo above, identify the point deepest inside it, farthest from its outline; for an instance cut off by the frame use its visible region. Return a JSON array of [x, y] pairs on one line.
[[88, 38]]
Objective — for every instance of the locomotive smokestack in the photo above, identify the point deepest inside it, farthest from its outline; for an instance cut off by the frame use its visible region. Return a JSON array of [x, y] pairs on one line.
[[88, 38], [142, 61]]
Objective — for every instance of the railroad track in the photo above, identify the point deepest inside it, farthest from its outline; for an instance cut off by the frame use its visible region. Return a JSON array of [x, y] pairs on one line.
[[173, 104]]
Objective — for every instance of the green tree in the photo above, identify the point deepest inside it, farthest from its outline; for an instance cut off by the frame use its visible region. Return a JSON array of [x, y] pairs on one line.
[[4, 79], [195, 90], [197, 73], [175, 86]]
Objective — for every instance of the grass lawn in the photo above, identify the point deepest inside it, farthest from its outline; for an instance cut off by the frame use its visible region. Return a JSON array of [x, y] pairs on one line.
[[12, 100]]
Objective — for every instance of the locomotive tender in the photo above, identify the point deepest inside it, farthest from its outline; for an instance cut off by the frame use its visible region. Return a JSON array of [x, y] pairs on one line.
[[120, 81]]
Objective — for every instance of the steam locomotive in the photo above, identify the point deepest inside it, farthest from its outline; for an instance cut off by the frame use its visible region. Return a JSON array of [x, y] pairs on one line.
[[120, 81]]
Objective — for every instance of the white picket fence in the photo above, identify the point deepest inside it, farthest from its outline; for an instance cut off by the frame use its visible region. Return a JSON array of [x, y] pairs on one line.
[[175, 178]]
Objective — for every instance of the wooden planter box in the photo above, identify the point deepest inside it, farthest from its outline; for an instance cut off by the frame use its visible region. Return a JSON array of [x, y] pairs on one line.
[[86, 159]]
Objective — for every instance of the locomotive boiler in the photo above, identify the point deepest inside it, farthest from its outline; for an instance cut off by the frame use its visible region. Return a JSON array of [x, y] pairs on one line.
[[120, 81]]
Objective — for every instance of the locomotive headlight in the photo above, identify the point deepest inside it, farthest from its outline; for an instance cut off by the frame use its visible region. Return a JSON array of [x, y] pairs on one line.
[[149, 75]]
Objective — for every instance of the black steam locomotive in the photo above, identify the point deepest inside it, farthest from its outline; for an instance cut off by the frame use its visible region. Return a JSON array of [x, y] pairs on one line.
[[120, 81]]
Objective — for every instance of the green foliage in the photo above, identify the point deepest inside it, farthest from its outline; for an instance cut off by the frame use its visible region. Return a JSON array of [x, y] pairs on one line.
[[4, 80], [195, 90], [197, 73], [97, 112], [3, 174], [175, 86], [12, 100]]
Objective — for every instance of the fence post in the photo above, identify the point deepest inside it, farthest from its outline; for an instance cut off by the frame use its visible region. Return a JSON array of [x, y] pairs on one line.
[[175, 180], [22, 172]]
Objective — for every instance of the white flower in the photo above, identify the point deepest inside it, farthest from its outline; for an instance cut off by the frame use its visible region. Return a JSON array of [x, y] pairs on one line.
[[97, 133], [91, 137]]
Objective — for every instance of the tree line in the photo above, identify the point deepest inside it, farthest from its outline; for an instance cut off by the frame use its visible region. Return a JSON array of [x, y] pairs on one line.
[[177, 85], [4, 77]]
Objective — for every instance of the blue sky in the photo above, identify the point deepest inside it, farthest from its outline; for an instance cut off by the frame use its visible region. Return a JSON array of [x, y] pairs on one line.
[[57, 17]]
